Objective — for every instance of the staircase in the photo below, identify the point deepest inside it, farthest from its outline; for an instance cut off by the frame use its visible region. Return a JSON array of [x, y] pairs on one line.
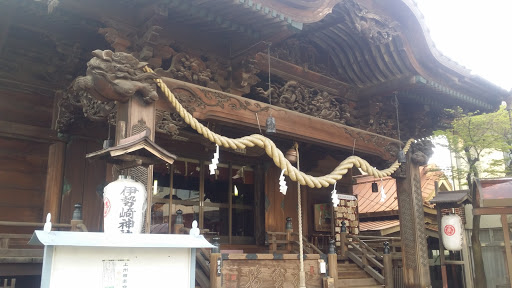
[[350, 275]]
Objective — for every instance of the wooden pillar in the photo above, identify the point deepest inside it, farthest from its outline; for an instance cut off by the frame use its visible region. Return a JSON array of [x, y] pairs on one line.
[[139, 117], [201, 194], [332, 261], [506, 238], [441, 246], [171, 185], [215, 270], [412, 228], [388, 266], [53, 189], [467, 260], [230, 203], [289, 230], [343, 244]]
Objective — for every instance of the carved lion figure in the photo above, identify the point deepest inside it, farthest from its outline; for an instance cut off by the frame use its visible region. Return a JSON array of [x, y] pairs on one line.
[[117, 77]]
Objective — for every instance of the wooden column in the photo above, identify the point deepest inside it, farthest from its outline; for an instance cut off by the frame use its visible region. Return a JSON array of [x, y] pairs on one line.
[[201, 194], [506, 238], [215, 268], [412, 228], [332, 261], [139, 116], [230, 203], [171, 185], [343, 244], [441, 246], [53, 190]]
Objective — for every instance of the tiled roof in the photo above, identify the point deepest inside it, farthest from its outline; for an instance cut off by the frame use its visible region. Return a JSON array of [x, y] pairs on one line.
[[369, 202], [378, 225]]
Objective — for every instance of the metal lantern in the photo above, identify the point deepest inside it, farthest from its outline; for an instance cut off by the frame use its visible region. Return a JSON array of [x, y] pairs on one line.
[[179, 217], [401, 157], [271, 125], [375, 187], [451, 228]]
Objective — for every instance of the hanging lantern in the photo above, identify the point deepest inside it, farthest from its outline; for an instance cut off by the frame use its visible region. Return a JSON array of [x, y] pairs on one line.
[[271, 125], [124, 206], [401, 157], [375, 187], [451, 227]]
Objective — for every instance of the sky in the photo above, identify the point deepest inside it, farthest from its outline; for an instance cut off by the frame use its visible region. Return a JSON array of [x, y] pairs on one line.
[[476, 34]]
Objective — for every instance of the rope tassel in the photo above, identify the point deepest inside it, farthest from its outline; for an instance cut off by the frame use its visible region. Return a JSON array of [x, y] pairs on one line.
[[273, 152]]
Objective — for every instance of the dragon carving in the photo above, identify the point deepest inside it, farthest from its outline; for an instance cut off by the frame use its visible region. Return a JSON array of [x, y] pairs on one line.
[[297, 97], [117, 77]]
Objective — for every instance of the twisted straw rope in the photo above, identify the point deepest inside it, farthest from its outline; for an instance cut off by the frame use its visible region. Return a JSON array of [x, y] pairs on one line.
[[273, 152]]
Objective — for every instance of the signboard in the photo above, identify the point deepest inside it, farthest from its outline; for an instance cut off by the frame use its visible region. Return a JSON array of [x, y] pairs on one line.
[[323, 217], [89, 259], [346, 197]]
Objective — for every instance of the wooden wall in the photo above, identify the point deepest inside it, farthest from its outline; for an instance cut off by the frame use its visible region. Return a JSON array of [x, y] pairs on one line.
[[25, 120], [22, 180], [83, 182], [27, 163], [278, 206]]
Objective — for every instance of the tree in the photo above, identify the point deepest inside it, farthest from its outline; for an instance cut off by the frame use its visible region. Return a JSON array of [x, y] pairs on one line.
[[471, 138]]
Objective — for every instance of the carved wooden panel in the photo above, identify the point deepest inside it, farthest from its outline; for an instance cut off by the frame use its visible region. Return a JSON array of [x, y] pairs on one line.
[[269, 273], [212, 105]]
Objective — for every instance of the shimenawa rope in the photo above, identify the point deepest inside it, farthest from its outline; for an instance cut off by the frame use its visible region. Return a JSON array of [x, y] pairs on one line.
[[273, 152]]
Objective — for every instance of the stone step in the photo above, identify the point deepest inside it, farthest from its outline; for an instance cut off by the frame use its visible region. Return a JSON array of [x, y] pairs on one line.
[[364, 286], [352, 274], [357, 282]]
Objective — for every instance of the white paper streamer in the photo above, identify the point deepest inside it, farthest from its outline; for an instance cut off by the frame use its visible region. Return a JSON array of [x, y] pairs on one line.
[[382, 193], [282, 183], [334, 196], [215, 161]]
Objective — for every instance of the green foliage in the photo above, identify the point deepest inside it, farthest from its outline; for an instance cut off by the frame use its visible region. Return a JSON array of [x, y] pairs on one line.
[[472, 137]]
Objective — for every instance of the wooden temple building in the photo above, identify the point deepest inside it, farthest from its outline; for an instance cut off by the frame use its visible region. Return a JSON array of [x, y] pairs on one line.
[[338, 77]]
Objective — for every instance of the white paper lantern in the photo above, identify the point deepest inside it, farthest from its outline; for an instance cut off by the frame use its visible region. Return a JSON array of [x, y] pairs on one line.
[[451, 226], [124, 206]]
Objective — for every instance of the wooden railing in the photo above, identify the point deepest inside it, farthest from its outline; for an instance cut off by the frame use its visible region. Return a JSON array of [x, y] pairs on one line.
[[288, 241], [14, 248], [203, 267], [6, 284], [363, 251]]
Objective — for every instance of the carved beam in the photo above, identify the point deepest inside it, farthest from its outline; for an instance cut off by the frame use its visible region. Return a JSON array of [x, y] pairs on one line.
[[211, 105], [305, 11], [289, 71]]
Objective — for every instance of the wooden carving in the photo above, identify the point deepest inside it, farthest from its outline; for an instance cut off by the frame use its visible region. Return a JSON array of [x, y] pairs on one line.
[[194, 70], [305, 53], [371, 26], [311, 101], [304, 11], [211, 105], [116, 77], [421, 152], [169, 122], [77, 104]]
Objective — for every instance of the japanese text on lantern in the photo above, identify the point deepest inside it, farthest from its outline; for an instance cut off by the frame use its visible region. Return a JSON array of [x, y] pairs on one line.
[[127, 211]]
